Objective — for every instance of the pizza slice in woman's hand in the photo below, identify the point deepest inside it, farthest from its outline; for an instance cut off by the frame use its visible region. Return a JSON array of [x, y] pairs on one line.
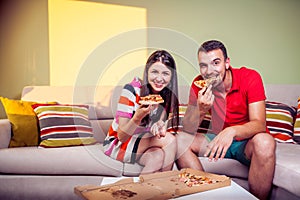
[[151, 99]]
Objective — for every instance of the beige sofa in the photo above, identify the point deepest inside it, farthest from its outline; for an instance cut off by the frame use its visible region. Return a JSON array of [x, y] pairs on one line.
[[52, 173]]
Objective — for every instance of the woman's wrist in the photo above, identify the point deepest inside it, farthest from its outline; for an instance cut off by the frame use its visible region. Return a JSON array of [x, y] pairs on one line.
[[136, 121]]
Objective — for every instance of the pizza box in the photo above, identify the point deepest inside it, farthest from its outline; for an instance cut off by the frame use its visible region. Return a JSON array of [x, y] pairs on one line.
[[160, 185]]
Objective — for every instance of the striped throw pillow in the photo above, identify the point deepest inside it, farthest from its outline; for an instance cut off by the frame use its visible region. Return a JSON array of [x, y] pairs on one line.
[[182, 109], [203, 128], [280, 120], [63, 125], [297, 124]]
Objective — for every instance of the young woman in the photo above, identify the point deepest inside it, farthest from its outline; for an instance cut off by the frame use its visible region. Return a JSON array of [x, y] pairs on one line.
[[138, 132]]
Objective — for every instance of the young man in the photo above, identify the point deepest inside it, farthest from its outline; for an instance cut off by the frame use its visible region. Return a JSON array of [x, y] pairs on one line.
[[235, 99]]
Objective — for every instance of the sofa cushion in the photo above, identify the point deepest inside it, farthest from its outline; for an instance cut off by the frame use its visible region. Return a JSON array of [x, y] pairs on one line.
[[100, 128], [80, 160], [280, 119], [297, 124], [287, 170], [224, 167], [23, 120], [64, 125]]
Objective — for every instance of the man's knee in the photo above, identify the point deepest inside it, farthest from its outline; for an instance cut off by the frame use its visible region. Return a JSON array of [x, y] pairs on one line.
[[264, 144]]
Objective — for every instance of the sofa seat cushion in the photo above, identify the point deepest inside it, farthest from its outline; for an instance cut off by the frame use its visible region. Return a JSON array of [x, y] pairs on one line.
[[225, 167], [82, 160], [287, 170], [222, 167]]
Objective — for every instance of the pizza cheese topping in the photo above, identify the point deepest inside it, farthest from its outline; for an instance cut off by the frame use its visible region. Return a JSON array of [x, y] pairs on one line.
[[195, 180], [206, 82], [151, 99], [201, 83]]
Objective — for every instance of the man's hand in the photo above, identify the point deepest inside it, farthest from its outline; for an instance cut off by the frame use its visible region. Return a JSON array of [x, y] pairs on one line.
[[205, 99], [218, 147], [158, 129]]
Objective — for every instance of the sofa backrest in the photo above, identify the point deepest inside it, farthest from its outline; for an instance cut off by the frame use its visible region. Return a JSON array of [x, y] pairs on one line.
[[284, 93], [103, 99]]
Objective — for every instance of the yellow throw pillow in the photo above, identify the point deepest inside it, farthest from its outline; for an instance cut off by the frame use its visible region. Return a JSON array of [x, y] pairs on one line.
[[24, 122]]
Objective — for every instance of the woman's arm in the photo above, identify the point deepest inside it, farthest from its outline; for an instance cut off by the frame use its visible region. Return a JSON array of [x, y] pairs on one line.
[[128, 126]]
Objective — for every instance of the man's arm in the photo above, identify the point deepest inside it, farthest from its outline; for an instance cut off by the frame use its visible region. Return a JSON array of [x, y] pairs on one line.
[[195, 113], [257, 124]]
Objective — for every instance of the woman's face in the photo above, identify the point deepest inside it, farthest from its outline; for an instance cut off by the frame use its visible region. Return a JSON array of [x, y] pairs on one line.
[[159, 76]]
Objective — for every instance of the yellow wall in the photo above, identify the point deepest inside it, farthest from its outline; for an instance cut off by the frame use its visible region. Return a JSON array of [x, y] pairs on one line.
[[77, 28], [24, 49], [260, 34], [263, 35]]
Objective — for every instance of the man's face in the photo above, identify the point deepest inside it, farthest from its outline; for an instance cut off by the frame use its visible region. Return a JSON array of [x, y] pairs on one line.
[[213, 64]]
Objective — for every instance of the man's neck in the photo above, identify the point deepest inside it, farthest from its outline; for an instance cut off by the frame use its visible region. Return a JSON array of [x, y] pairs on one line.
[[227, 81], [225, 86]]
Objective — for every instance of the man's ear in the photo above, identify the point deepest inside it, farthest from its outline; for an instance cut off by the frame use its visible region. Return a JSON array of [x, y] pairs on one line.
[[227, 63]]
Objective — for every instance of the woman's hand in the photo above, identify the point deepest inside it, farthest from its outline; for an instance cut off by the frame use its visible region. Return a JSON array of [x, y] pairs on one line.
[[142, 111], [159, 129]]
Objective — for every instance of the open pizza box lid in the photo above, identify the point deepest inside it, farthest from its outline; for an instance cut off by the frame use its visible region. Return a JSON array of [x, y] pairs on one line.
[[160, 185]]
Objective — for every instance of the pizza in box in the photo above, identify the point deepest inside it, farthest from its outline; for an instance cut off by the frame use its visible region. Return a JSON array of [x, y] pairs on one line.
[[160, 185]]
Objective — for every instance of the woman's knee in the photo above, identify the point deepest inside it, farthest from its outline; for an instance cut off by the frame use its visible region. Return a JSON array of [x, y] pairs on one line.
[[154, 155], [171, 138], [169, 141]]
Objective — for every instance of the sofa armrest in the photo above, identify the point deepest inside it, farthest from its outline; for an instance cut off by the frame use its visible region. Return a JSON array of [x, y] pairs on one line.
[[5, 133]]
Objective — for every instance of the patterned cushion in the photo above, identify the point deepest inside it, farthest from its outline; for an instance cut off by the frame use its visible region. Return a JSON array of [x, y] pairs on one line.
[[297, 124], [203, 128], [280, 118], [64, 125]]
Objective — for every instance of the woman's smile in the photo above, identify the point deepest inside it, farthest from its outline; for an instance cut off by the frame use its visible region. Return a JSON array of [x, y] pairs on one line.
[[159, 76]]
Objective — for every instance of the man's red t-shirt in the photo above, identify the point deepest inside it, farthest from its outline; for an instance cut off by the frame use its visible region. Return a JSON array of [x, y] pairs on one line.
[[247, 87]]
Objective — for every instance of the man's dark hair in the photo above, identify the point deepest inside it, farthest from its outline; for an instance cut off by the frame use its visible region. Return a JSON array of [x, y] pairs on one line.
[[213, 45]]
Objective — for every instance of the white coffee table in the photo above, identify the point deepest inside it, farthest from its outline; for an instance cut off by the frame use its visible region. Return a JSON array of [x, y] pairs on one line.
[[234, 191]]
